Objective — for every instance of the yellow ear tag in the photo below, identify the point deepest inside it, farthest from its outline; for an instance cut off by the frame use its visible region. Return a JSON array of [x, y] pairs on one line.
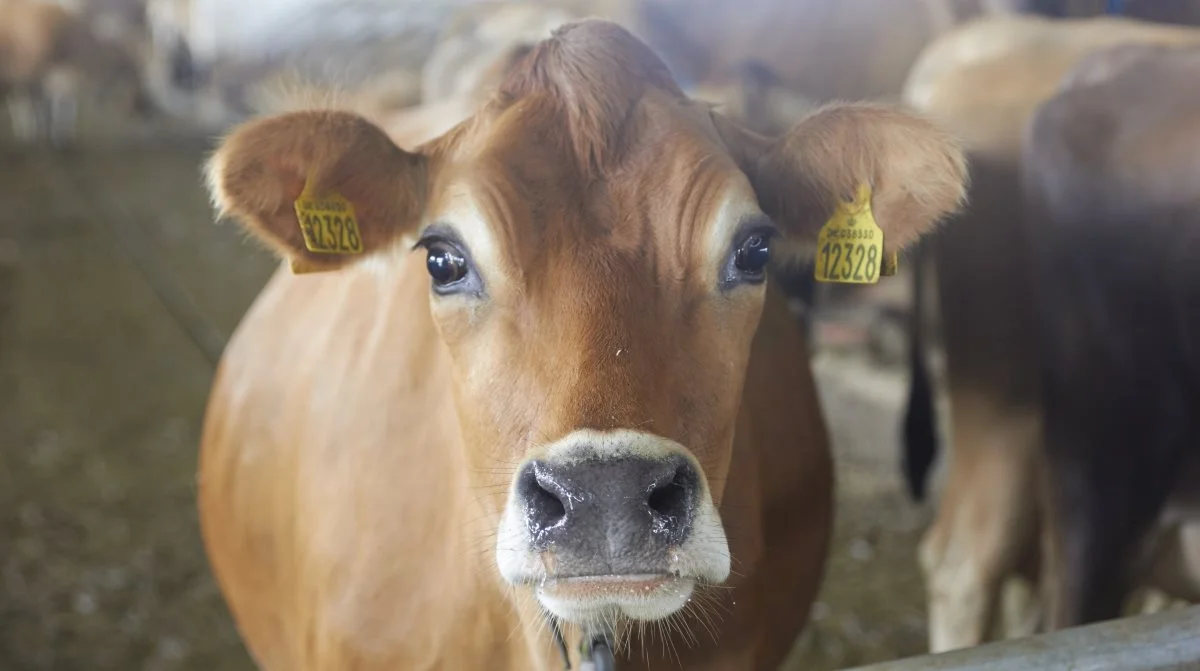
[[328, 223], [850, 245]]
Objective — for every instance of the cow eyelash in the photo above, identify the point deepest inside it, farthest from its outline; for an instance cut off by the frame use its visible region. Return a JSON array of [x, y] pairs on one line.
[[434, 235]]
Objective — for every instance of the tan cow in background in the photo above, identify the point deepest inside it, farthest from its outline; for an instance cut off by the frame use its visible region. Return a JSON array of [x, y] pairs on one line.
[[52, 57]]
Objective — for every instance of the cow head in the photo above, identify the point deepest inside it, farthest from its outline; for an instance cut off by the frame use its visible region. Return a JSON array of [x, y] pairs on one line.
[[598, 247]]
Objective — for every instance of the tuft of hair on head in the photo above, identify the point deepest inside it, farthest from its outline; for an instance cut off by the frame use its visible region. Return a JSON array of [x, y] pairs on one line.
[[290, 91], [594, 71]]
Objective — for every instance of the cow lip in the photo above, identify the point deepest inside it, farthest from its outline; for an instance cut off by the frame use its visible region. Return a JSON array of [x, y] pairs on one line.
[[628, 585], [599, 598], [613, 578]]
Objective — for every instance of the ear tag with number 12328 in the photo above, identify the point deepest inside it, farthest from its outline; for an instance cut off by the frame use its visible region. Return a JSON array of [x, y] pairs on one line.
[[850, 245], [327, 222]]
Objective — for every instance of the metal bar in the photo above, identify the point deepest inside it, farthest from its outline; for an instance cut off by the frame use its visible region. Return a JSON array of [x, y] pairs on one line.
[[1166, 640]]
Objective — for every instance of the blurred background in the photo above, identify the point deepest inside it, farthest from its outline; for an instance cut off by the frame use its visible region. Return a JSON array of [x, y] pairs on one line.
[[118, 291]]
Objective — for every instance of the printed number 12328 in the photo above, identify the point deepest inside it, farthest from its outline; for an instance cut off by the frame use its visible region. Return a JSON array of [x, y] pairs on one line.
[[331, 233], [848, 261]]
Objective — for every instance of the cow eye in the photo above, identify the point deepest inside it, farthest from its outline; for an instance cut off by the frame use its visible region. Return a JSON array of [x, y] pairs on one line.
[[749, 255], [449, 263], [752, 254], [445, 262]]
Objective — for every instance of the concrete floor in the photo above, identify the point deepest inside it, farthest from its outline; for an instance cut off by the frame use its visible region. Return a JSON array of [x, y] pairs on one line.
[[101, 565]]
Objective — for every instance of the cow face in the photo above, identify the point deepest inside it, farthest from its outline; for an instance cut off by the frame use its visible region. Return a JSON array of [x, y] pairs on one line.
[[597, 246]]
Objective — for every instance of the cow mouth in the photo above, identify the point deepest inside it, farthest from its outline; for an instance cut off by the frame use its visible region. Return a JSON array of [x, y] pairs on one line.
[[643, 597]]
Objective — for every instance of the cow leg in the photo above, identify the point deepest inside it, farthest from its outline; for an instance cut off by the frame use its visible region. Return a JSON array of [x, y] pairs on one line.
[[1114, 451], [63, 113], [1177, 570], [985, 520], [1082, 584], [1021, 606], [62, 109], [1073, 538], [1021, 612], [1101, 504], [1171, 563], [22, 112]]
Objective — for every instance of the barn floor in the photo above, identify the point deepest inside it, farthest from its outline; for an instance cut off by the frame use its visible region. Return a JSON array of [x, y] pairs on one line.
[[101, 565]]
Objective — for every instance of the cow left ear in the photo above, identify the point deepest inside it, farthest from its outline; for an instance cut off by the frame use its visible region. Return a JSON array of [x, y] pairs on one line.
[[322, 188], [916, 173]]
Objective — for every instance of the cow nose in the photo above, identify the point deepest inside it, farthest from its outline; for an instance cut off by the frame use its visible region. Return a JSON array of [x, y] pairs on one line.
[[609, 506]]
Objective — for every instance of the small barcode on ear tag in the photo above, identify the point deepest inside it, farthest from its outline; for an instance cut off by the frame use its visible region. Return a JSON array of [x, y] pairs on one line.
[[850, 245], [328, 223]]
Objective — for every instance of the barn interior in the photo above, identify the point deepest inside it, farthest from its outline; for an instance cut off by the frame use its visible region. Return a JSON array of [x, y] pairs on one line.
[[119, 290]]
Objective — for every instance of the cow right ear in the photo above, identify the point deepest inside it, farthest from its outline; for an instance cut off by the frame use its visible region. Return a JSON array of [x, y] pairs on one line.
[[323, 189]]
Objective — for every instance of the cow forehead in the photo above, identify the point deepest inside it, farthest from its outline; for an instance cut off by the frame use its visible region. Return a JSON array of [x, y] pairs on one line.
[[668, 192]]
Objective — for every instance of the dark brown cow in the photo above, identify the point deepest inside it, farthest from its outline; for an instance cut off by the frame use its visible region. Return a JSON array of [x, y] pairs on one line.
[[985, 81], [580, 403], [1113, 175]]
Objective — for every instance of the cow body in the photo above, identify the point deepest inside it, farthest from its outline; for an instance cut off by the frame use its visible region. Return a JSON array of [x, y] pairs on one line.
[[1114, 188], [392, 567], [579, 406], [985, 81]]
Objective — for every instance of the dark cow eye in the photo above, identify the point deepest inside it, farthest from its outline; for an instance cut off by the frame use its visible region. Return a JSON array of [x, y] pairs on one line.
[[749, 255], [449, 263], [752, 255], [446, 264]]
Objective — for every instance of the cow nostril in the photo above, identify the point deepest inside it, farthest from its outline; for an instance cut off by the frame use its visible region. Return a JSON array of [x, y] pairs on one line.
[[543, 508], [547, 505], [672, 500]]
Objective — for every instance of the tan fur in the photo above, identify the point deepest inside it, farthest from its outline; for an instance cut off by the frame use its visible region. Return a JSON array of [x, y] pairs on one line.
[[984, 81], [363, 432]]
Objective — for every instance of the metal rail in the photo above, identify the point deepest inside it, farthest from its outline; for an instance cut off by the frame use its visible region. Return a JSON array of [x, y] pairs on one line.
[[1158, 642]]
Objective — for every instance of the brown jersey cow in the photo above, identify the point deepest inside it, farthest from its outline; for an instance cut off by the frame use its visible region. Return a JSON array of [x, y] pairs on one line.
[[554, 390]]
